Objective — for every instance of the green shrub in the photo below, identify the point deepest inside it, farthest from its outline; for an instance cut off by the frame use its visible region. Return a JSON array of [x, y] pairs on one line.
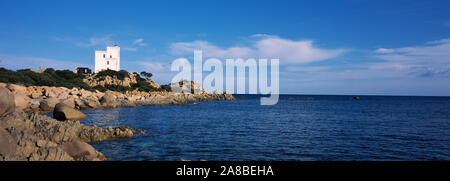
[[121, 75], [117, 88], [165, 87], [146, 75], [50, 77], [143, 86], [66, 78]]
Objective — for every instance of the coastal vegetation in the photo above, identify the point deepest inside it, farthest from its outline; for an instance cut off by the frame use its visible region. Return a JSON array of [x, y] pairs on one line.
[[49, 77], [121, 75], [146, 75], [69, 79]]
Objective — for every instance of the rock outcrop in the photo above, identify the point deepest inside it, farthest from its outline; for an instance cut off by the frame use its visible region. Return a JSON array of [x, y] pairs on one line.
[[47, 105], [44, 98], [109, 100], [51, 154], [31, 136], [93, 81], [7, 143], [34, 137], [7, 103], [64, 112], [21, 100], [153, 83], [79, 149]]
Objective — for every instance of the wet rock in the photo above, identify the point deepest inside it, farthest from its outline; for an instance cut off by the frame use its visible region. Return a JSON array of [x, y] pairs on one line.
[[122, 132], [63, 112], [125, 103]]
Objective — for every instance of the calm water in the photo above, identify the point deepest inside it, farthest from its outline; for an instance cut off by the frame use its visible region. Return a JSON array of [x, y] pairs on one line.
[[297, 128]]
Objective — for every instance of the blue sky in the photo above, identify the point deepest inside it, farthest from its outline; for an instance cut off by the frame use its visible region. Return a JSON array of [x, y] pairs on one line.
[[325, 47]]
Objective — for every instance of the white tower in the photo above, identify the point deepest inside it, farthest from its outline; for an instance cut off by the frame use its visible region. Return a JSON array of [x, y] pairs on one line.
[[109, 59]]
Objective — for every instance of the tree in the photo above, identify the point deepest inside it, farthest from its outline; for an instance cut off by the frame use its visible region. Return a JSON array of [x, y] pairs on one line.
[[121, 75], [146, 75]]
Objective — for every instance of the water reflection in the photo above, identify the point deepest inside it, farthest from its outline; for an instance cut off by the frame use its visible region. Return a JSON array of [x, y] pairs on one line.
[[104, 117]]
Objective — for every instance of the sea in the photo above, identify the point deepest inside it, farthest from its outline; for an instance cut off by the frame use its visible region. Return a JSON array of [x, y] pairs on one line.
[[297, 128]]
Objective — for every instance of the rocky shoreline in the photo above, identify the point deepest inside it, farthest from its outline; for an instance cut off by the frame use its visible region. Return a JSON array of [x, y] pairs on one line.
[[44, 99], [27, 135]]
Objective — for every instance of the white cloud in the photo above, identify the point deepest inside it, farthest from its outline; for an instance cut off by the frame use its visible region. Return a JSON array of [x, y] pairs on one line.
[[139, 42], [262, 35], [430, 59], [441, 41], [154, 66], [384, 50], [160, 70], [295, 52], [413, 63], [106, 40], [268, 46], [101, 42]]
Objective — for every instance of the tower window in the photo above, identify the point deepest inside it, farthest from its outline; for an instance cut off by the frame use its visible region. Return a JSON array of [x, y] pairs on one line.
[[104, 56], [110, 56], [107, 63]]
